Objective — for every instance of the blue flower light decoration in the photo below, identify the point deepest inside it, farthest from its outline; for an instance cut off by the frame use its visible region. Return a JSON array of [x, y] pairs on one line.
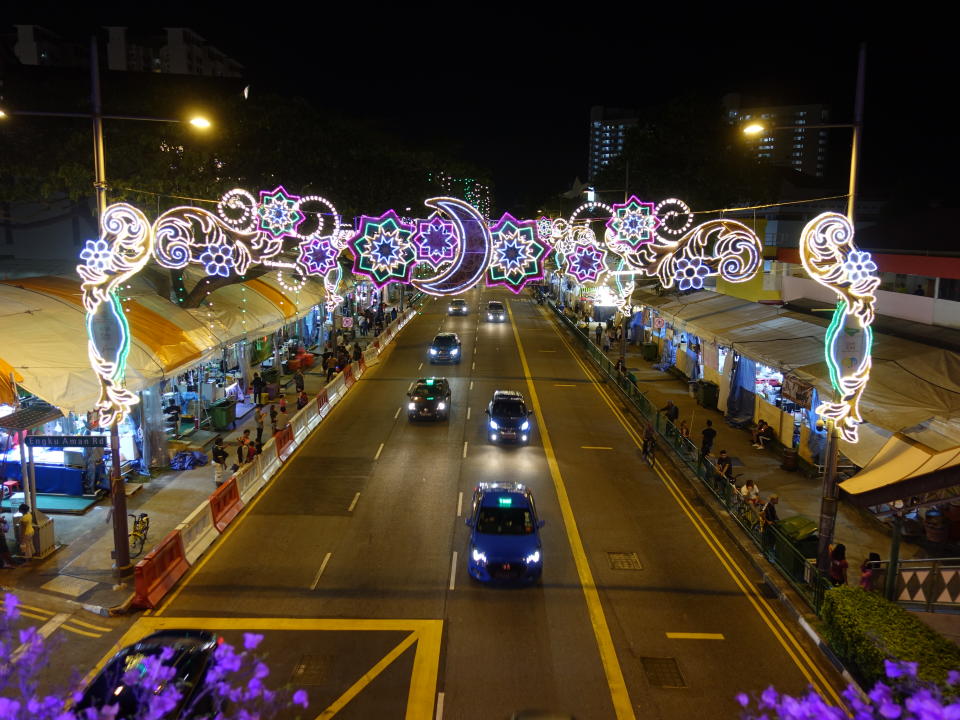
[[218, 260], [96, 254], [690, 273], [859, 266]]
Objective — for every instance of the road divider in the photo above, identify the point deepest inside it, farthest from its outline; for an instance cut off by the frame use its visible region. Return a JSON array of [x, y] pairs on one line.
[[159, 571], [225, 504]]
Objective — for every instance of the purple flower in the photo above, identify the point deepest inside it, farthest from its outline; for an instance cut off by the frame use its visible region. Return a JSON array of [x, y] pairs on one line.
[[251, 641], [300, 698], [953, 677], [743, 699], [10, 603]]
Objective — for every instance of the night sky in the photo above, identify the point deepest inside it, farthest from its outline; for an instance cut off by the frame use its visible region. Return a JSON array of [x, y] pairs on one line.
[[512, 89]]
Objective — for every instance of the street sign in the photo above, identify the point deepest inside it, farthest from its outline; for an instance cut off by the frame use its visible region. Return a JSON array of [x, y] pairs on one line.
[[66, 440], [347, 322]]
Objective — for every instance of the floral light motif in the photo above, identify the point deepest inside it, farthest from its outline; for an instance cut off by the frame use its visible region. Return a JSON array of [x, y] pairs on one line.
[[436, 241], [96, 254], [382, 249], [218, 260], [278, 211], [544, 228], [690, 273], [318, 256], [859, 266], [518, 256], [585, 262], [634, 223]]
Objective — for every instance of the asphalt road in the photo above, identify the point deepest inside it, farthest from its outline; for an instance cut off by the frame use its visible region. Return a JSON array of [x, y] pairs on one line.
[[364, 604]]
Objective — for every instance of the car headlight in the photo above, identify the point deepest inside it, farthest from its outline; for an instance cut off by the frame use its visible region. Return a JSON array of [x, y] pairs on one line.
[[450, 308], [441, 406], [533, 557], [412, 406], [478, 557], [433, 351], [489, 316], [454, 351], [493, 425], [526, 425]]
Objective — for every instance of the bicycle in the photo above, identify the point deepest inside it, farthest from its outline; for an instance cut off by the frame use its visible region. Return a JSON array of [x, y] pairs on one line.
[[138, 536]]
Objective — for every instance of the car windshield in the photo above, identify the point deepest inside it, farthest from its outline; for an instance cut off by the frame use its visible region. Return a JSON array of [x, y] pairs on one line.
[[495, 307], [505, 521], [445, 341], [425, 390], [458, 303], [509, 409]]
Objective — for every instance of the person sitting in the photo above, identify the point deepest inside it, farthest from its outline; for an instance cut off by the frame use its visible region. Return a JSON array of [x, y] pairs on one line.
[[764, 436], [750, 492], [755, 433]]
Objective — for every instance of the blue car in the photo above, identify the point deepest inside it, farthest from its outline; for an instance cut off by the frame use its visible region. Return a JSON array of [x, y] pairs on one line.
[[445, 347], [505, 534]]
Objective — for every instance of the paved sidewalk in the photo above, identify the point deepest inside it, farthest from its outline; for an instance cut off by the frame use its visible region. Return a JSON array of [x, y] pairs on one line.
[[81, 570]]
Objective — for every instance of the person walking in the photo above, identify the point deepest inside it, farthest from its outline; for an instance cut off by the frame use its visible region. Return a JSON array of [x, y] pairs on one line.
[[671, 411], [242, 442], [258, 417], [869, 570], [709, 435], [357, 352], [649, 444], [606, 342], [298, 380], [282, 419], [257, 384], [26, 531], [838, 565], [331, 366], [273, 419]]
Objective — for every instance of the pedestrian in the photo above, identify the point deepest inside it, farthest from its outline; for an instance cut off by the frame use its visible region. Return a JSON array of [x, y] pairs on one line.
[[242, 442], [26, 531], [257, 384], [684, 430], [218, 474], [5, 556], [339, 338], [724, 468], [606, 342], [298, 380], [838, 565], [709, 435], [649, 444], [671, 411], [357, 352], [258, 417], [273, 419], [768, 515], [282, 419], [331, 366], [868, 571], [393, 314], [218, 454], [302, 400]]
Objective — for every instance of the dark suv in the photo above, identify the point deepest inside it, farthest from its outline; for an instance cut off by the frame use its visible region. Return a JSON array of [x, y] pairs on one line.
[[508, 417], [457, 307], [445, 348], [429, 398], [496, 312]]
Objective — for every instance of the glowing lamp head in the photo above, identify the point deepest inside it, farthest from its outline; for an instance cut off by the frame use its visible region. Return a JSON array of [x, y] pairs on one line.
[[2, 114], [753, 129], [200, 122]]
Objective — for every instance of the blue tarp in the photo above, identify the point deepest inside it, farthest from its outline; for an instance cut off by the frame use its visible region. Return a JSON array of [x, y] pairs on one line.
[[742, 390], [189, 460]]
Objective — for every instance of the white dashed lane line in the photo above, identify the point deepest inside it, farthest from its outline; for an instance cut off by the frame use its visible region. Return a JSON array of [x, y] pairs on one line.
[[379, 450]]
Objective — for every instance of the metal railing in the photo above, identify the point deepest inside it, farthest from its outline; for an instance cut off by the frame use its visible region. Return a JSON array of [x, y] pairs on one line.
[[926, 584], [798, 570]]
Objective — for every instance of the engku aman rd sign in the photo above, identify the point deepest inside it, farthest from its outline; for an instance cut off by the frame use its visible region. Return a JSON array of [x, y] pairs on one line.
[[66, 440]]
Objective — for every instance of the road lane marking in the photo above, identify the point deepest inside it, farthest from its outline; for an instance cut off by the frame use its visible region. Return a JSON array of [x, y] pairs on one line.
[[795, 651], [619, 694], [368, 677], [419, 367], [473, 365], [453, 570], [397, 413], [439, 715], [323, 566], [354, 503], [694, 636], [471, 384], [465, 444], [91, 626], [459, 503], [547, 350], [474, 349], [595, 447], [468, 413], [564, 385], [76, 631], [46, 630], [379, 450]]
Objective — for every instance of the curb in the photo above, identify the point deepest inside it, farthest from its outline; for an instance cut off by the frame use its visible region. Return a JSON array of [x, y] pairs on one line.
[[770, 577]]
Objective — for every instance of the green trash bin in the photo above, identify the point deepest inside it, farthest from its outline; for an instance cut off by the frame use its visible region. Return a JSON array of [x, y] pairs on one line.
[[270, 375], [798, 542], [708, 394], [223, 414], [649, 351]]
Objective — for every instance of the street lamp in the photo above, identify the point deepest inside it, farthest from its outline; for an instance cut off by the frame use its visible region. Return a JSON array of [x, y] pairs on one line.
[[829, 502], [121, 543]]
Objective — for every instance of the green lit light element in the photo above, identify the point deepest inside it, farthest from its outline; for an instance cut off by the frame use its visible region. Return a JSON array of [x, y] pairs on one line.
[[505, 501], [429, 381]]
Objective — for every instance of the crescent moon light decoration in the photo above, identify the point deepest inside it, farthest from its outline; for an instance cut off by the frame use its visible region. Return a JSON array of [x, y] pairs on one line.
[[830, 256], [465, 240]]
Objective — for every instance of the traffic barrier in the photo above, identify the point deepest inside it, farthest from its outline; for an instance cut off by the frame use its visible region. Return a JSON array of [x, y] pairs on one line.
[[159, 571], [197, 531], [363, 365], [348, 378], [225, 504], [322, 401], [250, 480], [283, 440]]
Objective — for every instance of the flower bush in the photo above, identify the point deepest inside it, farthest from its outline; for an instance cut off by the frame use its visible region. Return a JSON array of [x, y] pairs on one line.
[[903, 697], [234, 688]]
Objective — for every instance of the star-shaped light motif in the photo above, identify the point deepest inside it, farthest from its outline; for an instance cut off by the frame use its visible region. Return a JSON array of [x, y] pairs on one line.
[[518, 255], [382, 249], [436, 241], [279, 212], [634, 223], [318, 256], [585, 263]]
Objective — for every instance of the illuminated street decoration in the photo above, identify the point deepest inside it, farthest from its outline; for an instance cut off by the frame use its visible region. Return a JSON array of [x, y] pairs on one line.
[[382, 249], [690, 273], [830, 257], [318, 255], [586, 262], [218, 260], [675, 218], [633, 224], [436, 241], [473, 249], [544, 228], [238, 209], [278, 211], [314, 224], [518, 256], [121, 251]]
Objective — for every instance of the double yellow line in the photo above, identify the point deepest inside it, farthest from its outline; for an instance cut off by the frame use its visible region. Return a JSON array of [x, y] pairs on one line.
[[771, 619], [78, 627]]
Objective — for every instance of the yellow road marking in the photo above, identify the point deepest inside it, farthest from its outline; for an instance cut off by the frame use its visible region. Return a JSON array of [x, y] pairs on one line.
[[81, 623], [608, 654], [595, 447], [694, 636], [791, 646], [367, 678], [81, 632], [35, 616], [426, 662], [21, 606], [547, 350], [564, 385]]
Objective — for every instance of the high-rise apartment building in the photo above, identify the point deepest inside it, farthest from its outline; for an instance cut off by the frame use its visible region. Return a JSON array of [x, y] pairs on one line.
[[608, 132], [804, 150]]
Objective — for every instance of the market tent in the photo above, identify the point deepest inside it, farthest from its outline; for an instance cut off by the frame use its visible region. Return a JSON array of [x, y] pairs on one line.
[[8, 376], [781, 342]]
